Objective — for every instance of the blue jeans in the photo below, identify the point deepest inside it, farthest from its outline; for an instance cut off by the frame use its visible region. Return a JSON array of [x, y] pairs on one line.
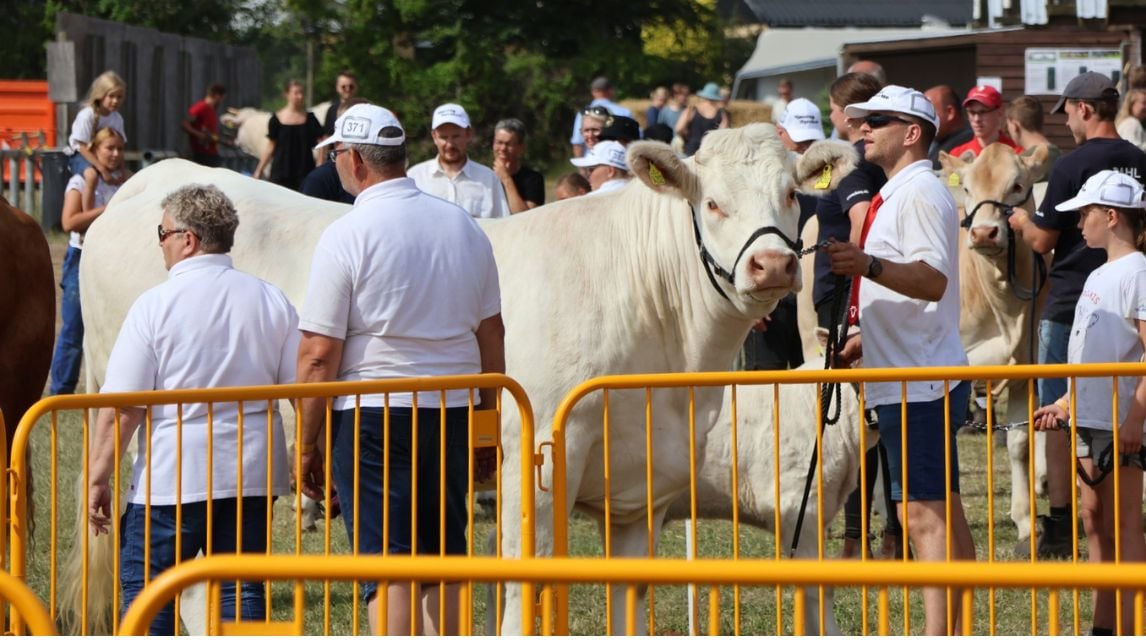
[[926, 469], [70, 344], [1054, 338], [372, 489], [195, 538]]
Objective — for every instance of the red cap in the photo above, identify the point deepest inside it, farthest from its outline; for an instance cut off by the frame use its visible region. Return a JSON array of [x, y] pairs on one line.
[[985, 94]]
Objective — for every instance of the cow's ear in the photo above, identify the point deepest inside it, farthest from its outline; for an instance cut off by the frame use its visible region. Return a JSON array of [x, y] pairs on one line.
[[950, 163], [658, 167], [820, 168], [1035, 158]]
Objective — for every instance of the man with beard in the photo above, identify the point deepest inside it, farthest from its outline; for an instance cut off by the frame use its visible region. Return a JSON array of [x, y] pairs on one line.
[[455, 177]]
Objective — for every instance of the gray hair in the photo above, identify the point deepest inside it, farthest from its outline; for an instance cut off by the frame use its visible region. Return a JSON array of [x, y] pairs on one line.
[[205, 211], [379, 157], [513, 126]]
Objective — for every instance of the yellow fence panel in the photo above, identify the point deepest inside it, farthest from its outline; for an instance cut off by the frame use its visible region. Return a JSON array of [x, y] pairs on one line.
[[83, 592], [716, 574], [756, 426]]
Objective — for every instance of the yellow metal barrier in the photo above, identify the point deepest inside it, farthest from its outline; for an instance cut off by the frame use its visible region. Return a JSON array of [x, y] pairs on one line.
[[25, 605], [483, 428], [968, 575], [809, 416]]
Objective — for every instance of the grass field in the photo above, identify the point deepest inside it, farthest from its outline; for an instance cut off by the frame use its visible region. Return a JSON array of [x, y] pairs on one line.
[[1011, 611]]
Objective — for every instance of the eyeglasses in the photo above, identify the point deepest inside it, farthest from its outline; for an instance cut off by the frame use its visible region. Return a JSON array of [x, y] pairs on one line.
[[876, 121], [333, 154], [980, 113], [164, 234]]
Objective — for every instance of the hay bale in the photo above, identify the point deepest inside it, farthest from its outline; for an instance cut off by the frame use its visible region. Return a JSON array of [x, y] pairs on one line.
[[740, 112]]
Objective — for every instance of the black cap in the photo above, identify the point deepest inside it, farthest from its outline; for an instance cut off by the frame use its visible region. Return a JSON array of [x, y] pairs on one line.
[[1087, 86], [621, 128]]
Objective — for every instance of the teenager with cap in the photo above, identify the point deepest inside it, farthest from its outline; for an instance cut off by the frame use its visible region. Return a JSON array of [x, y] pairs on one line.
[[800, 126], [1109, 326], [906, 293], [403, 285], [452, 175], [604, 166], [1090, 103], [984, 107]]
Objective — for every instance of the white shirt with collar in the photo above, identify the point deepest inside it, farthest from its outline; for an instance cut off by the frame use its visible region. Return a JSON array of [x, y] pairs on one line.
[[404, 279], [611, 185], [476, 188], [918, 221], [208, 325]]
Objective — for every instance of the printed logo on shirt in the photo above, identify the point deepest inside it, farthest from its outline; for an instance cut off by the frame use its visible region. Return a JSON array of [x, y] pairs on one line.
[[355, 127], [857, 192], [1130, 172]]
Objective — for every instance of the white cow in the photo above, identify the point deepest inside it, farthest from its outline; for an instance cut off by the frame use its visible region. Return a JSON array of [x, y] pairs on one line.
[[994, 323], [601, 284], [756, 495], [251, 127]]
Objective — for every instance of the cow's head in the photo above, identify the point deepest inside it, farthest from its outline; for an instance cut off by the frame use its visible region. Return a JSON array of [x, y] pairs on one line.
[[236, 116], [742, 187], [992, 184]]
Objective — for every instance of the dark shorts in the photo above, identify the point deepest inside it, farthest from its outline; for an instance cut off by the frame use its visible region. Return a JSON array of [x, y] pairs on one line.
[[416, 525], [925, 452]]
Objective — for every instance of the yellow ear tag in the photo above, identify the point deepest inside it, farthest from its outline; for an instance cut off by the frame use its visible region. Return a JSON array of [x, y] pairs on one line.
[[825, 178], [655, 175], [953, 180]]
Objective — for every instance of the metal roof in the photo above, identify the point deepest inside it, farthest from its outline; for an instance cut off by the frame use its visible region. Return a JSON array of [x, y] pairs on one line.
[[858, 13]]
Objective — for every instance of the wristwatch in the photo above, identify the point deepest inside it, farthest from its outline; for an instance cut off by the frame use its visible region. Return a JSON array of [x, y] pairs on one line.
[[874, 268]]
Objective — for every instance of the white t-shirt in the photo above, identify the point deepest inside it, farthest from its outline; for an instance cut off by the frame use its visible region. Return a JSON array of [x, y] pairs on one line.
[[611, 185], [1131, 129], [84, 127], [103, 194], [405, 279], [208, 325], [917, 222], [476, 188], [1104, 330]]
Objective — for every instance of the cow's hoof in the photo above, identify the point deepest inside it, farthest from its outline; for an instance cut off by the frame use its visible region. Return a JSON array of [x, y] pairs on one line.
[[1023, 549]]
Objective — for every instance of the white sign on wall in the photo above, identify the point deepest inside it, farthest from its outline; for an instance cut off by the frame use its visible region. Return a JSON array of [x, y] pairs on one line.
[[1049, 70]]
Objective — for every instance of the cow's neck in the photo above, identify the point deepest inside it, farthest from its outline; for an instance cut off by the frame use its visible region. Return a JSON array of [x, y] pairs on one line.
[[681, 302]]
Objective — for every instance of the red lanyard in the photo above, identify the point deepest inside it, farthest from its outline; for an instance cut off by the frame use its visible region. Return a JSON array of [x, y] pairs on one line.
[[853, 301]]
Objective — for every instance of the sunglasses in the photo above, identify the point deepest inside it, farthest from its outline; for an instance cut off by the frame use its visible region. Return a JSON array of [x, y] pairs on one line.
[[333, 154], [598, 112], [876, 121], [164, 234]]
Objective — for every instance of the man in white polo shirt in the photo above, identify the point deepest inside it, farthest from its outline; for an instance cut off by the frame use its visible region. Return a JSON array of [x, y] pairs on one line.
[[452, 175], [208, 325], [908, 302], [604, 166], [403, 285]]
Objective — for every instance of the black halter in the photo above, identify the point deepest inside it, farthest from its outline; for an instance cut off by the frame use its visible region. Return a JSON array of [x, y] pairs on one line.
[[1040, 268], [712, 268]]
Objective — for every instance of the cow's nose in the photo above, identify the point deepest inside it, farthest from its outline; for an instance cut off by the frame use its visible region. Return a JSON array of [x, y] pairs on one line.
[[985, 235], [772, 269]]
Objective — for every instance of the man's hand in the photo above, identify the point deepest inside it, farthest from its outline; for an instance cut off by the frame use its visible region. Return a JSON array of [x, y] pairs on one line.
[[485, 463], [313, 474], [1130, 438], [847, 258], [501, 170], [99, 506], [1019, 218], [852, 351]]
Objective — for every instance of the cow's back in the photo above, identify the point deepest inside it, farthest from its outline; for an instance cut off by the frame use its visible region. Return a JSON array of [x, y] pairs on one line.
[[27, 313], [278, 229]]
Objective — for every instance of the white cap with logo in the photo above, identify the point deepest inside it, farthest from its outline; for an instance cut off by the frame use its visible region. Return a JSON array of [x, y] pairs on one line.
[[450, 113], [1106, 188], [604, 153], [894, 98], [801, 120], [363, 124]]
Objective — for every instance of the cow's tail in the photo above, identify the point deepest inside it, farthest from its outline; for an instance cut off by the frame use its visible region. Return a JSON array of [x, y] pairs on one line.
[[100, 581]]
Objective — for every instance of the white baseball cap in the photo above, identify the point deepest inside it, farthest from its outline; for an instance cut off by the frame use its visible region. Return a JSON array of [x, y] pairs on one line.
[[450, 113], [363, 124], [604, 153], [894, 98], [802, 121], [1106, 188]]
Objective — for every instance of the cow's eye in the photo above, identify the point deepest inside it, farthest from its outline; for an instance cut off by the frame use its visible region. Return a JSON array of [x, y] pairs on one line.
[[1017, 189], [791, 196], [712, 206]]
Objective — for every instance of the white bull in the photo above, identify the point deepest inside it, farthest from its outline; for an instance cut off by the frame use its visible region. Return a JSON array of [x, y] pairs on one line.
[[756, 496], [602, 284], [994, 323]]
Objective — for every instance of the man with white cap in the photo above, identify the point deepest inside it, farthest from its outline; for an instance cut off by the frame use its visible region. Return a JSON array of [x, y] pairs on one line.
[[403, 285], [452, 175], [1090, 103], [604, 166], [908, 301], [800, 125]]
